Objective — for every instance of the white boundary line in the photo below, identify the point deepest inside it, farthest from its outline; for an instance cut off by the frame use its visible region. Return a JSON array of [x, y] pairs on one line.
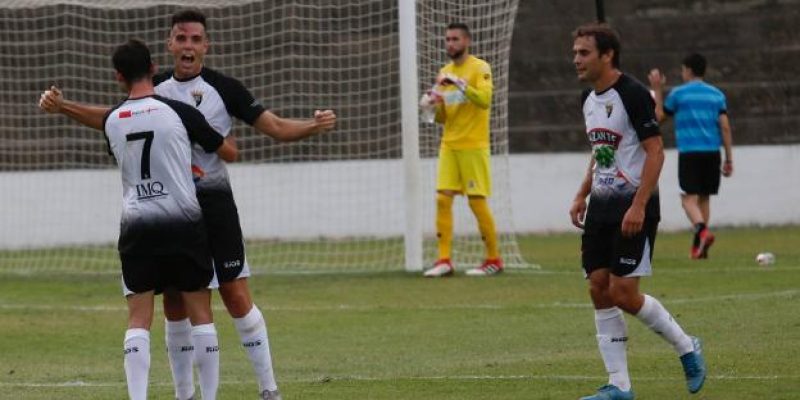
[[663, 267], [366, 308], [356, 378]]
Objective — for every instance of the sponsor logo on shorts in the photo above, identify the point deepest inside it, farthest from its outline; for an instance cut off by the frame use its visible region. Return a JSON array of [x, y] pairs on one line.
[[232, 264], [627, 261]]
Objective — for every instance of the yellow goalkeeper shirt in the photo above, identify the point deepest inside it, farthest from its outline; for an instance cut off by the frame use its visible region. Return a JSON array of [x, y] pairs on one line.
[[465, 114]]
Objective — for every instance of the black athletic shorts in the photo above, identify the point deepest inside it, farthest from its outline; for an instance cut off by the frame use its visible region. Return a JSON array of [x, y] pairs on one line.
[[185, 272], [698, 173], [603, 246], [224, 232]]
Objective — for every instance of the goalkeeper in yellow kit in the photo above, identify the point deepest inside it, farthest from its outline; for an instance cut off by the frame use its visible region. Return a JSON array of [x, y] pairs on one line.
[[461, 99]]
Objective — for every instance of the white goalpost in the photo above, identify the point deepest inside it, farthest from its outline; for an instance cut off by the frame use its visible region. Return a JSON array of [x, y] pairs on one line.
[[360, 198]]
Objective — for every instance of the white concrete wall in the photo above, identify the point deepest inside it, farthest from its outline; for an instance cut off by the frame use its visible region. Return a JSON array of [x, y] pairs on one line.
[[364, 198]]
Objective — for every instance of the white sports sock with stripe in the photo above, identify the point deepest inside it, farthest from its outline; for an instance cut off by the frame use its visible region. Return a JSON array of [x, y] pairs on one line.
[[180, 352], [206, 357], [137, 362], [252, 330], [659, 320], [612, 336]]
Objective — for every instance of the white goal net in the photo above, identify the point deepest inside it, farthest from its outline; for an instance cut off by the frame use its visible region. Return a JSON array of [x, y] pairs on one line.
[[330, 203]]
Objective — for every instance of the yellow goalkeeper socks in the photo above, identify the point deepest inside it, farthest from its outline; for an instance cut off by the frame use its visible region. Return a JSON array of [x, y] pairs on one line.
[[444, 224], [480, 207]]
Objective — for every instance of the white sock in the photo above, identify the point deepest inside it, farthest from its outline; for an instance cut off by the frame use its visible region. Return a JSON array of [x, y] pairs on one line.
[[180, 352], [612, 336], [658, 319], [206, 357], [137, 362], [253, 332]]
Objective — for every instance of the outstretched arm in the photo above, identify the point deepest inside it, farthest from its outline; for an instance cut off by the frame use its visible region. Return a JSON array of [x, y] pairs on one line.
[[290, 130], [52, 101]]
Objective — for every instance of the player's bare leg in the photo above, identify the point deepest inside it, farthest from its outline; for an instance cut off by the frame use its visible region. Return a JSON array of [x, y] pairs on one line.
[[703, 239], [137, 344], [204, 340], [252, 328]]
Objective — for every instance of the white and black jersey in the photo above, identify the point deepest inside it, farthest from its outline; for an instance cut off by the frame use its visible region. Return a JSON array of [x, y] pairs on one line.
[[151, 138], [617, 121], [217, 97]]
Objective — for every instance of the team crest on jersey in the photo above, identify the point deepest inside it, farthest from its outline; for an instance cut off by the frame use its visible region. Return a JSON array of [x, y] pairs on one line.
[[609, 109], [197, 95]]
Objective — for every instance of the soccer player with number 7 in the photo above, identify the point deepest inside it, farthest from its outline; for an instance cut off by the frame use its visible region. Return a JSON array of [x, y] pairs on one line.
[[219, 98]]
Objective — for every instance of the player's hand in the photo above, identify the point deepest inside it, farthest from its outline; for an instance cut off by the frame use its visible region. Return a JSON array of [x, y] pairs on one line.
[[450, 79], [727, 168], [578, 212], [657, 79], [324, 120], [430, 99], [633, 221], [51, 100]]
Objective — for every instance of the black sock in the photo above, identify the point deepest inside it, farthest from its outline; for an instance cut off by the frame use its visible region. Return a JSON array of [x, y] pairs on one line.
[[697, 229]]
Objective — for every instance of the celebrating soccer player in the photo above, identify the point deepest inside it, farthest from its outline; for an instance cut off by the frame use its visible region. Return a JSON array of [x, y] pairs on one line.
[[219, 98], [619, 226], [163, 240], [462, 98]]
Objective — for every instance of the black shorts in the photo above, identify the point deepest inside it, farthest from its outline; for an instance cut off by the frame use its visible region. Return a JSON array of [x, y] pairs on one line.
[[224, 233], [603, 246], [698, 173], [184, 272]]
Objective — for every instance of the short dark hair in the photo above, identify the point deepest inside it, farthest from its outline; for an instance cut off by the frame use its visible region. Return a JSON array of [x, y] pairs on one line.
[[696, 63], [132, 60], [461, 26], [607, 39], [188, 15]]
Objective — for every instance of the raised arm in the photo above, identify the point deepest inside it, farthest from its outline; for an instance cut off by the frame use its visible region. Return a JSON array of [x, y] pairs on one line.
[[657, 82], [290, 130], [52, 101]]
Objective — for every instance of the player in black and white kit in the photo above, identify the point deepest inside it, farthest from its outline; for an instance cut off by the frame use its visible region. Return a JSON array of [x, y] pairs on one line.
[[619, 226], [219, 98], [163, 239]]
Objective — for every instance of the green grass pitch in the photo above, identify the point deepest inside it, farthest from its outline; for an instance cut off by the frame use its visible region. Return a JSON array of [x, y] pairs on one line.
[[392, 335]]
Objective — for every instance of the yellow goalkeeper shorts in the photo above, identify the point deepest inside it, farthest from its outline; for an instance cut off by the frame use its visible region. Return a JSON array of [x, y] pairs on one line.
[[466, 171]]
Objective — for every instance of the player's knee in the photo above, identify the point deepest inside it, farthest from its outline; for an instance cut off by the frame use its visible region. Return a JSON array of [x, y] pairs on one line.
[[623, 299], [174, 309], [599, 293], [237, 300]]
